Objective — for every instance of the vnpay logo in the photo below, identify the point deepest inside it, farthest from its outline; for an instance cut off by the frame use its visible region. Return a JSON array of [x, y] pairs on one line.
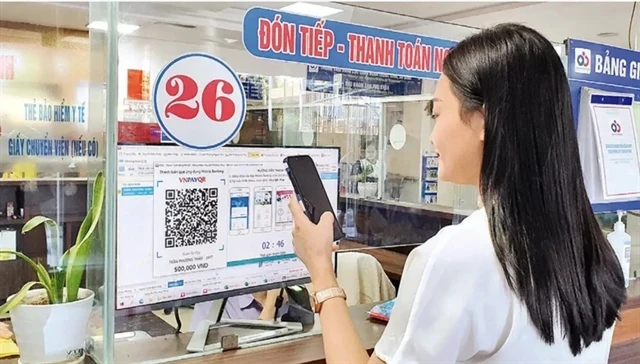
[[192, 179], [616, 128], [582, 61]]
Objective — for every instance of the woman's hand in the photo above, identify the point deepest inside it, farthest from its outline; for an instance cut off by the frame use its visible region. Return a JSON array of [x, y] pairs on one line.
[[5, 333], [313, 243]]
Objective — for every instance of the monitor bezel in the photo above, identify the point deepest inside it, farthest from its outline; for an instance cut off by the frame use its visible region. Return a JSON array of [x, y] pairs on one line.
[[128, 311]]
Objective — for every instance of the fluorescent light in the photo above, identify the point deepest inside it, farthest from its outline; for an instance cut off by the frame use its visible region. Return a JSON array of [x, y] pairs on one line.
[[122, 28], [314, 10], [229, 40]]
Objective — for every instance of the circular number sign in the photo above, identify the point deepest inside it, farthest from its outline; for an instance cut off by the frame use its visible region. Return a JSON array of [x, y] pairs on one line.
[[199, 101]]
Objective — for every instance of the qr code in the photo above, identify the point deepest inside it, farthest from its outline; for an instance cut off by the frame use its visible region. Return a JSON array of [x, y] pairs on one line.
[[191, 217]]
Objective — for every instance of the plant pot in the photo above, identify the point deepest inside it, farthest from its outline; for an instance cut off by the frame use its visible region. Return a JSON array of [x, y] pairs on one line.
[[367, 189], [52, 333]]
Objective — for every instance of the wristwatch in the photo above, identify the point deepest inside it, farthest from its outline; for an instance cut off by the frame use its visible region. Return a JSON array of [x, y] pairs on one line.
[[318, 298]]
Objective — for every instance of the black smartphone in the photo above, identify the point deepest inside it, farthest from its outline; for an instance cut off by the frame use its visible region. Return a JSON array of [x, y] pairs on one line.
[[308, 186]]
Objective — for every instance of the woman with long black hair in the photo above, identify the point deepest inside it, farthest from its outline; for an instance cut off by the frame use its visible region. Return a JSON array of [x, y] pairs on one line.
[[527, 278]]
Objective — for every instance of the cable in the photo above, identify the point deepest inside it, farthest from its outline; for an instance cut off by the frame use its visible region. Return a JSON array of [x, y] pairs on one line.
[[176, 314], [633, 13], [221, 312], [279, 302]]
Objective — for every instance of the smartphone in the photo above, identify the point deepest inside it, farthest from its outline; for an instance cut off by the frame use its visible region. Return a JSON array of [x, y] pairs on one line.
[[239, 204], [284, 220], [308, 186], [262, 209]]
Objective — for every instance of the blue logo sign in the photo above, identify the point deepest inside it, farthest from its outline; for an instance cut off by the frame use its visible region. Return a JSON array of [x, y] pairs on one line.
[[603, 64], [278, 35], [346, 82], [583, 59]]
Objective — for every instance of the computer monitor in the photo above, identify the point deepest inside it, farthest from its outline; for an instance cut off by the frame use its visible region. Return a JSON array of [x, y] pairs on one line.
[[195, 226]]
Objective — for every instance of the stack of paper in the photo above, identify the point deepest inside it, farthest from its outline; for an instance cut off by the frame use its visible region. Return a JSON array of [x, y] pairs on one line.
[[382, 312], [8, 348]]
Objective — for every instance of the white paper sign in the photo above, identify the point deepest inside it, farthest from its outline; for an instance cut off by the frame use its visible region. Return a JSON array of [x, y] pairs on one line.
[[617, 144], [397, 136], [199, 101], [8, 240]]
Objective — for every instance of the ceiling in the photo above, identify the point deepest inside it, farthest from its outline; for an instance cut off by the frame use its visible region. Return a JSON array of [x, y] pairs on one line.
[[556, 20], [219, 22]]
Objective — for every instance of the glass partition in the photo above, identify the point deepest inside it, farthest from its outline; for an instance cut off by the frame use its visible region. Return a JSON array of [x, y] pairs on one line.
[[290, 104], [52, 128], [389, 193], [74, 86]]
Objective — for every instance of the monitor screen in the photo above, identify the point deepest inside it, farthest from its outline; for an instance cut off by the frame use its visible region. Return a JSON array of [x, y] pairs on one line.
[[201, 225]]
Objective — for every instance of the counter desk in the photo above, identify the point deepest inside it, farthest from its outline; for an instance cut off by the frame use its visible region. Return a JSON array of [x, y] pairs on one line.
[[380, 222], [625, 347]]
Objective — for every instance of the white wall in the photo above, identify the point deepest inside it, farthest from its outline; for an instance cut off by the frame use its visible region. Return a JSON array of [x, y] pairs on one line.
[[442, 30]]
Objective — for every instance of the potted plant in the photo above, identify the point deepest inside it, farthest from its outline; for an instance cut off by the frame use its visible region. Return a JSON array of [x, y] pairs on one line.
[[367, 182], [50, 322]]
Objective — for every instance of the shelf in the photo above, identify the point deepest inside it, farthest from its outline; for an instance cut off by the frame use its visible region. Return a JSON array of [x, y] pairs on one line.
[[4, 222], [613, 207], [10, 181]]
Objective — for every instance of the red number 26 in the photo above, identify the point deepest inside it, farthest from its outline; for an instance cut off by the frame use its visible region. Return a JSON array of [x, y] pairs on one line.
[[215, 105]]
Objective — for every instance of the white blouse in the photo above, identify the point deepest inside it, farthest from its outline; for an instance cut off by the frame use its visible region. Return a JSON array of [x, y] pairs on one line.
[[454, 305]]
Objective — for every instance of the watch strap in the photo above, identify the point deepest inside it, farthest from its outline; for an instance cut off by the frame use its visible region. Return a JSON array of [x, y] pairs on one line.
[[326, 294]]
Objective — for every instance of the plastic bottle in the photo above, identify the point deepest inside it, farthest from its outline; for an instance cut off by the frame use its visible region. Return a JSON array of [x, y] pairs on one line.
[[349, 226], [621, 243]]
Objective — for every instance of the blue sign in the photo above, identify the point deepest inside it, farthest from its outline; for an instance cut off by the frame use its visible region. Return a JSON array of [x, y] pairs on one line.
[[253, 87], [603, 64], [278, 35], [356, 83], [605, 68]]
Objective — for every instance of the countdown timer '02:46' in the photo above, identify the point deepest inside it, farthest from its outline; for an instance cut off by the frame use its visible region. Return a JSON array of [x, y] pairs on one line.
[[199, 101]]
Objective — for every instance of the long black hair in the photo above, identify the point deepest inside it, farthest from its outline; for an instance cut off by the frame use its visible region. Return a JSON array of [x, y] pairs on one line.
[[553, 253]]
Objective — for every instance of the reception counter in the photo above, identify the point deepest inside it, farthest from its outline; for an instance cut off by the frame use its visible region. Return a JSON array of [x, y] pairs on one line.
[[625, 347], [390, 223]]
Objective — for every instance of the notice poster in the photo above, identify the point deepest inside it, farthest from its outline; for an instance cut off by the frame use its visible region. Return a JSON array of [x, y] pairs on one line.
[[138, 85], [617, 145]]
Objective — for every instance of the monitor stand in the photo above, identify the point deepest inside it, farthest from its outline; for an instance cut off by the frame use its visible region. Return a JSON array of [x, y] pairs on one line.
[[234, 334]]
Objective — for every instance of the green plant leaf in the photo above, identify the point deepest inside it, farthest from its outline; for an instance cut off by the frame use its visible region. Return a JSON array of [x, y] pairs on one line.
[[43, 275], [77, 256], [57, 284], [36, 221], [17, 299], [45, 278], [41, 272], [100, 235], [64, 259]]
